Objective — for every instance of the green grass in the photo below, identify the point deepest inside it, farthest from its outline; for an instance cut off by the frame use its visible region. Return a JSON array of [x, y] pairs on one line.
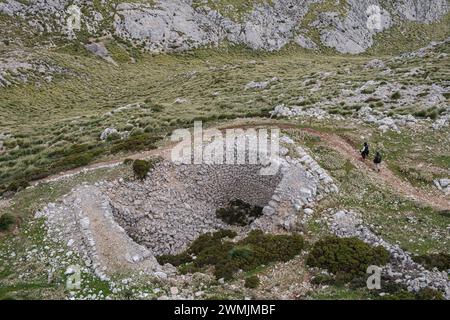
[[81, 104]]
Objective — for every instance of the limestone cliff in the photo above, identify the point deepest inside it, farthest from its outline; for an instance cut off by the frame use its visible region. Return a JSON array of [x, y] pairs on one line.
[[348, 26]]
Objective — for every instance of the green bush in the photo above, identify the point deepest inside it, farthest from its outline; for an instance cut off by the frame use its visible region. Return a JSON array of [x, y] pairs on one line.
[[445, 213], [403, 294], [273, 248], [187, 268], [252, 282], [395, 96], [128, 161], [212, 249], [400, 295], [441, 261], [239, 213], [135, 143], [368, 91], [17, 185], [421, 114], [346, 257], [113, 136], [323, 279], [175, 260], [141, 168], [6, 222], [431, 113], [429, 294]]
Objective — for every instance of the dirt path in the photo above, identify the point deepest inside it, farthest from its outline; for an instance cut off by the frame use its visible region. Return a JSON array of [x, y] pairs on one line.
[[385, 177]]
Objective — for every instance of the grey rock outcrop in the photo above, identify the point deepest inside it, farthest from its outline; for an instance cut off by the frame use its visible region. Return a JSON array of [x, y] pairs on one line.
[[177, 25]]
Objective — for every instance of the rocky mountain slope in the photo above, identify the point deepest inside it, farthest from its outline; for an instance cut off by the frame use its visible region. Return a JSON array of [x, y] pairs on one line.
[[82, 105], [348, 26]]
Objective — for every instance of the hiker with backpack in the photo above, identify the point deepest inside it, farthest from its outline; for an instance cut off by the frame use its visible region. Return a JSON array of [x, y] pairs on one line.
[[377, 161], [365, 151]]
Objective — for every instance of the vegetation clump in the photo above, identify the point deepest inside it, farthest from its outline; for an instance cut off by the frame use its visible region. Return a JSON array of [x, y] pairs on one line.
[[347, 258], [17, 185], [441, 261], [227, 258], [140, 169], [395, 96], [239, 213], [6, 222]]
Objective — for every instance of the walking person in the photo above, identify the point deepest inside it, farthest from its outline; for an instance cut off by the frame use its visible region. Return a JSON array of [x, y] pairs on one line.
[[365, 151], [377, 161]]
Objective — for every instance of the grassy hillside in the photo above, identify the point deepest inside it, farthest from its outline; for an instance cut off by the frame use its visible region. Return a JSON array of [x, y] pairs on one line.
[[56, 126]]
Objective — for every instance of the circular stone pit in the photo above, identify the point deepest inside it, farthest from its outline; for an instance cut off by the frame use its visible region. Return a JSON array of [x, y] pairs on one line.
[[177, 203]]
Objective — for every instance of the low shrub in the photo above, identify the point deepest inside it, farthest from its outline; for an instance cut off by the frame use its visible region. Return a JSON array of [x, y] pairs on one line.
[[141, 168], [239, 213], [346, 257], [429, 294], [135, 143], [396, 95], [113, 136], [441, 261], [400, 295], [252, 282], [323, 279], [431, 113], [17, 185], [368, 91], [445, 213], [403, 294], [420, 114], [6, 222], [128, 161], [212, 249], [175, 260]]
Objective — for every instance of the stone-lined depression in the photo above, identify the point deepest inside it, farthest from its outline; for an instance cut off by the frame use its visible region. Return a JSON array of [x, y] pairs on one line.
[[177, 203]]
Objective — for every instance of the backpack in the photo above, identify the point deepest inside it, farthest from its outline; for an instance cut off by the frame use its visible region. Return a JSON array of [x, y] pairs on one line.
[[378, 158]]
